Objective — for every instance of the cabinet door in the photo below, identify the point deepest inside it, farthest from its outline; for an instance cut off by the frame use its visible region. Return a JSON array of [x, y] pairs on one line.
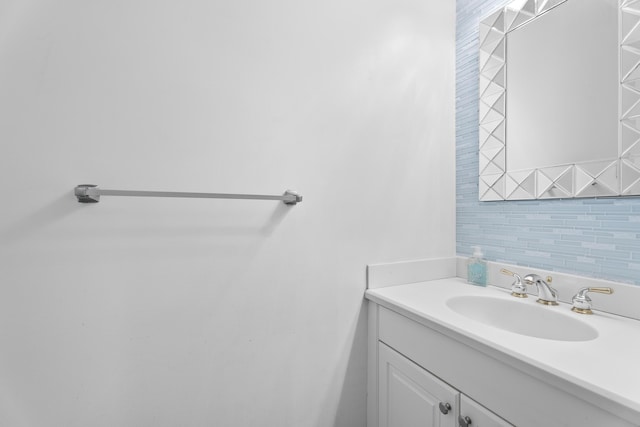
[[472, 414], [409, 396]]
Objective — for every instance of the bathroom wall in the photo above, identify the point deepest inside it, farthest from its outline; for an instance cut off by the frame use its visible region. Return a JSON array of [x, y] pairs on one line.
[[592, 237], [178, 312]]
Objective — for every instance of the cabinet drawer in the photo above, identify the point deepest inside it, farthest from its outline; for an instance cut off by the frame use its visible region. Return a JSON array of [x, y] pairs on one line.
[[478, 416]]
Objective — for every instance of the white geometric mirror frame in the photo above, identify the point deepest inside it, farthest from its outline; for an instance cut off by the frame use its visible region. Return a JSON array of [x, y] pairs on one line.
[[588, 179], [630, 96]]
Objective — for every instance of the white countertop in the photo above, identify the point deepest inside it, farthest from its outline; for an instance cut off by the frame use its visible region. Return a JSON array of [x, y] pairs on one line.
[[608, 365]]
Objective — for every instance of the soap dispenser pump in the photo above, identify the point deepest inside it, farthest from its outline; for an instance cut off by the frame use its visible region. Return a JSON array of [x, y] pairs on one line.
[[477, 268]]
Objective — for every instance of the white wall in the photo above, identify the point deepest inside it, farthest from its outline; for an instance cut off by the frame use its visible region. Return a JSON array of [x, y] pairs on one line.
[[168, 312]]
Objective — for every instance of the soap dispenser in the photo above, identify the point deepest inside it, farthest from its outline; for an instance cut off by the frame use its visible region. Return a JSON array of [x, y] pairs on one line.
[[477, 268]]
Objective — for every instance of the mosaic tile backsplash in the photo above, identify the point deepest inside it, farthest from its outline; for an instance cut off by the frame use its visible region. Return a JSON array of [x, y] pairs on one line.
[[591, 237]]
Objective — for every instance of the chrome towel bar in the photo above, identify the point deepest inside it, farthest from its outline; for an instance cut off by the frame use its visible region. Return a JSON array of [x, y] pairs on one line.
[[89, 193]]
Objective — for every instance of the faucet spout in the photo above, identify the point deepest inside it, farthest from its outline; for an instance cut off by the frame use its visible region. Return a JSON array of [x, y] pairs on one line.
[[546, 294]]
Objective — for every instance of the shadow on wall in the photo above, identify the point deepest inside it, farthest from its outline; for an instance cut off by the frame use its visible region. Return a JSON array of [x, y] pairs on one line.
[[52, 212], [66, 204], [276, 218], [352, 402]]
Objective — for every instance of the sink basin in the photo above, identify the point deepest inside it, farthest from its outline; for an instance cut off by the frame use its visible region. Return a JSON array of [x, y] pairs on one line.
[[522, 317]]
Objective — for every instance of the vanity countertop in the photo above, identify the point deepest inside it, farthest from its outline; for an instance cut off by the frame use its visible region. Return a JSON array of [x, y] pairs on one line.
[[605, 367]]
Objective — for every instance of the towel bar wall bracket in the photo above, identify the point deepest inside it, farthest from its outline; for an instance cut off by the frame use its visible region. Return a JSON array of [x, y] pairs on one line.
[[89, 193]]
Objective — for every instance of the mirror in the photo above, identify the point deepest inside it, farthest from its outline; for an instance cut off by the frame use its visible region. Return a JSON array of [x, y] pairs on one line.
[[555, 121]]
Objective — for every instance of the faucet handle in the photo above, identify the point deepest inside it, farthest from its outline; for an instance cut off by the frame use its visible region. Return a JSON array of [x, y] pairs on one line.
[[582, 302], [518, 289]]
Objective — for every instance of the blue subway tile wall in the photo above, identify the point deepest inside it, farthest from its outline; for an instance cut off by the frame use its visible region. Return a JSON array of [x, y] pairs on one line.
[[593, 237]]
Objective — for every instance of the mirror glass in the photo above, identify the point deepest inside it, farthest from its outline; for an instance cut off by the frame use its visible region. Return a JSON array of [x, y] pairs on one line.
[[562, 89], [555, 121]]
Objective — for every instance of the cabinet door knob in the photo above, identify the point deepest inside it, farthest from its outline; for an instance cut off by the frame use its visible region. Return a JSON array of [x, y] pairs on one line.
[[464, 421], [444, 408]]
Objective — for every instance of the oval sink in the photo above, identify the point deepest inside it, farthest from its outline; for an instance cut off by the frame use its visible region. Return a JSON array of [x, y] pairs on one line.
[[523, 318]]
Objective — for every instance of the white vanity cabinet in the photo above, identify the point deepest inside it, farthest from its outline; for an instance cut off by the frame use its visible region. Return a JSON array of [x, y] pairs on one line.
[[416, 364], [410, 396]]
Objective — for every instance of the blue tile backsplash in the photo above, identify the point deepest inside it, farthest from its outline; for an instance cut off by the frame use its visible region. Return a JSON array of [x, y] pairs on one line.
[[592, 237]]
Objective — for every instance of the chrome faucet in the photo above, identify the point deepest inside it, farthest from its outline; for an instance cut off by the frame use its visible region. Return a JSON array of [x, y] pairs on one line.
[[546, 294]]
